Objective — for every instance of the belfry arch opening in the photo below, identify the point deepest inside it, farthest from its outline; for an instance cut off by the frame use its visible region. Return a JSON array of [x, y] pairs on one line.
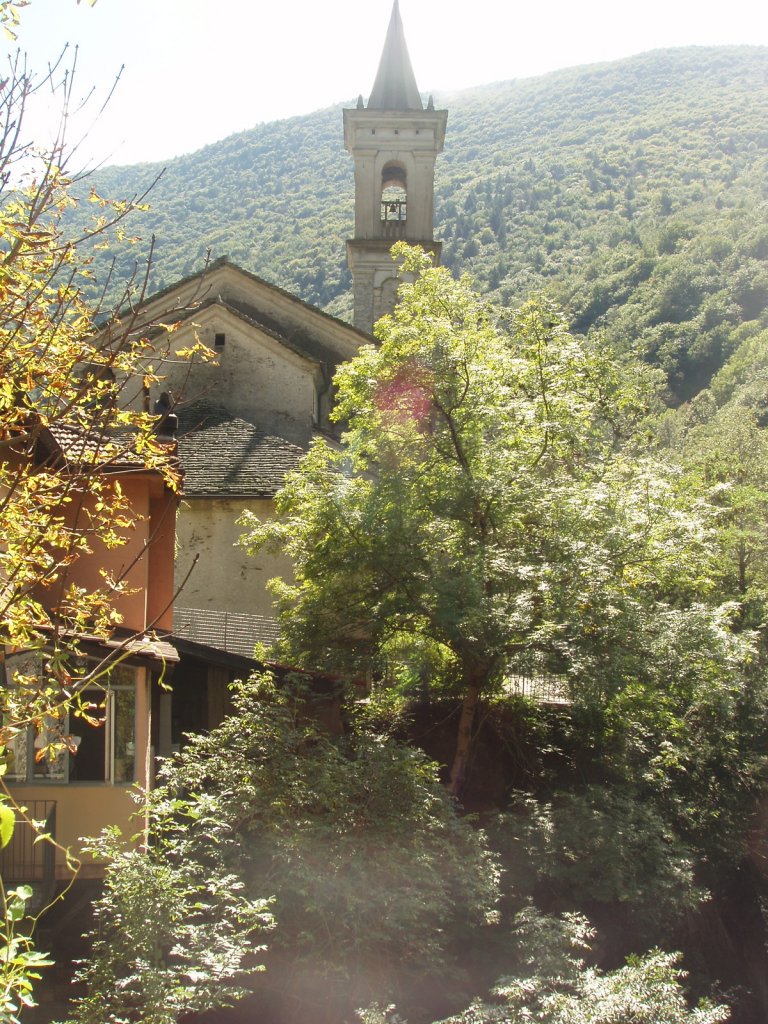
[[394, 194]]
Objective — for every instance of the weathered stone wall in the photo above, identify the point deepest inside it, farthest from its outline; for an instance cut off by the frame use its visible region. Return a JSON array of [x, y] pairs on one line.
[[225, 578]]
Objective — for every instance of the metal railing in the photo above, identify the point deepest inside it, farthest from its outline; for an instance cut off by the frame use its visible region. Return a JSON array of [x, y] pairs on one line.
[[540, 688], [235, 632], [27, 858]]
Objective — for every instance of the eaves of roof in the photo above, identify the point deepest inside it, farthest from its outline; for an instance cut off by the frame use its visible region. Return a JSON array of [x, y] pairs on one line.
[[121, 644]]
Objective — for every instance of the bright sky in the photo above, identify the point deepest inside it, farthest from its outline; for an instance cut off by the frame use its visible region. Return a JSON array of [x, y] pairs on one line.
[[199, 70]]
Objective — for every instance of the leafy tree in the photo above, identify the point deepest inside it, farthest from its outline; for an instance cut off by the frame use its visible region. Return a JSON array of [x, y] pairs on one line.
[[602, 846], [70, 406], [167, 939], [492, 493], [375, 879], [692, 732], [729, 454], [70, 411], [552, 984]]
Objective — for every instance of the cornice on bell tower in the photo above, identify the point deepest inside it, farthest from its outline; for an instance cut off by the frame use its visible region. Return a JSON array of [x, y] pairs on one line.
[[394, 142]]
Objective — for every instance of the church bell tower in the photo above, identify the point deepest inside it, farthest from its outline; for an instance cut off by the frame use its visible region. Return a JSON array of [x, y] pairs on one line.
[[394, 142]]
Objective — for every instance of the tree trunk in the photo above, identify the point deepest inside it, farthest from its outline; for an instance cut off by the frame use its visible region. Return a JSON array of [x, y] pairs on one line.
[[464, 735]]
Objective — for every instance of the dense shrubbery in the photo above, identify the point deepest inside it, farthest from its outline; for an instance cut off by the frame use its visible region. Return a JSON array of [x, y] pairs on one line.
[[601, 845], [379, 890], [171, 936], [553, 985], [373, 878]]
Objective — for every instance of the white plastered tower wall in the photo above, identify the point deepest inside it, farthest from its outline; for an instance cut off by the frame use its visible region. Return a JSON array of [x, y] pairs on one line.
[[393, 138]]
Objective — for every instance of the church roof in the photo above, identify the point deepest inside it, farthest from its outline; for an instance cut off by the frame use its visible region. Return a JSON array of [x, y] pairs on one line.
[[298, 325], [225, 456], [302, 342], [395, 86]]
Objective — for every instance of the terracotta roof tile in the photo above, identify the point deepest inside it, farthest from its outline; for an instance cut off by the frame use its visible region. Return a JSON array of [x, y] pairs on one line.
[[115, 449]]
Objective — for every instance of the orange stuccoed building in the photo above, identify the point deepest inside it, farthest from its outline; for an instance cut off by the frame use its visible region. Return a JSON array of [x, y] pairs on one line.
[[75, 776]]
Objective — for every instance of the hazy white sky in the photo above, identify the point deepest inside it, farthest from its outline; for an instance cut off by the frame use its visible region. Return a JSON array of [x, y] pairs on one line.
[[198, 70]]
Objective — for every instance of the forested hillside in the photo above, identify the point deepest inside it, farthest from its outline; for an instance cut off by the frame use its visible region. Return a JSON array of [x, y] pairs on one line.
[[633, 192]]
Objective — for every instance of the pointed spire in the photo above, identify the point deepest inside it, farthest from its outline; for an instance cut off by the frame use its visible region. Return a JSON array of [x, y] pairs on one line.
[[395, 86]]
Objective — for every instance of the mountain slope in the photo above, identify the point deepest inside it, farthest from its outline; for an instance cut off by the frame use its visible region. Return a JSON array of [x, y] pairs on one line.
[[635, 193]]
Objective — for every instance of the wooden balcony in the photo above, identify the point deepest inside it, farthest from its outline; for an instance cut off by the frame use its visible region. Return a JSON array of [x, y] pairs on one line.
[[28, 860]]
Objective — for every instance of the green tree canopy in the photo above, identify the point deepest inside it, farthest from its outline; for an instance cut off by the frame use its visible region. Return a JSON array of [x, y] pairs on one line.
[[493, 492]]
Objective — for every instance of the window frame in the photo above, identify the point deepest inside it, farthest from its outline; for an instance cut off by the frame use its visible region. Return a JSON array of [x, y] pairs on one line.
[[24, 744]]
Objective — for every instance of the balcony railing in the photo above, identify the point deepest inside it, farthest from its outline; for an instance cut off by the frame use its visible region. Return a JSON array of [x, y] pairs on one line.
[[393, 229]]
